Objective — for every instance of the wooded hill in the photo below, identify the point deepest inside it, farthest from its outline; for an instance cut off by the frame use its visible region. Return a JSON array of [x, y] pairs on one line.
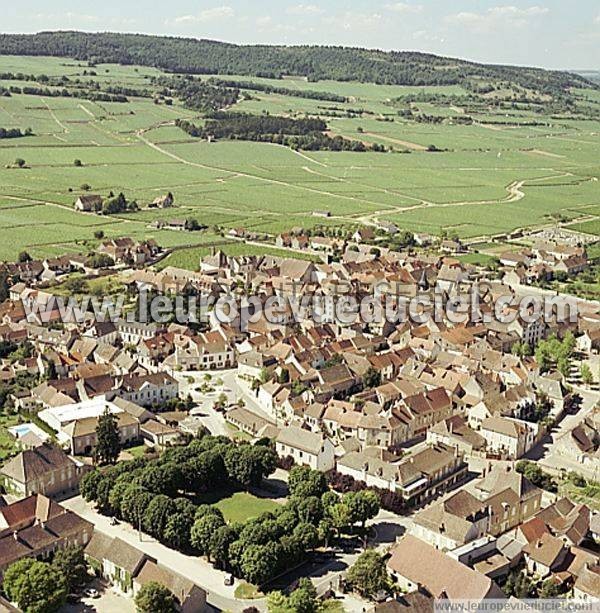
[[187, 55]]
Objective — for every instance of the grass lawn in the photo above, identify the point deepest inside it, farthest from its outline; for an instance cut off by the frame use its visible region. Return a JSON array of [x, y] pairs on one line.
[[589, 494], [138, 451], [8, 446], [237, 434], [247, 591], [242, 506], [478, 259]]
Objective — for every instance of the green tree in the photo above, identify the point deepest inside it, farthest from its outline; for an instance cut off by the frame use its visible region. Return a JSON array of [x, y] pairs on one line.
[[363, 505], [203, 531], [304, 482], [70, 564], [24, 257], [108, 443], [177, 531], [155, 598], [35, 586], [260, 562], [277, 602], [586, 374], [20, 163], [371, 378], [368, 574], [156, 515], [304, 598], [219, 544], [307, 535]]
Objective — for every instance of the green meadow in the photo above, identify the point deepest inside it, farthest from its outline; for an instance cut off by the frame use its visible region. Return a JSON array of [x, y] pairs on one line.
[[507, 170]]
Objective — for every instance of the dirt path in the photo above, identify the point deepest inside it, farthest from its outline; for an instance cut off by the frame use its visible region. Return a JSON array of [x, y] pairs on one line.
[[56, 119], [404, 143], [140, 135]]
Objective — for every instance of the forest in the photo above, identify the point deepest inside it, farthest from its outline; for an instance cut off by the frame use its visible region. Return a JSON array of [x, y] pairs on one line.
[[187, 55]]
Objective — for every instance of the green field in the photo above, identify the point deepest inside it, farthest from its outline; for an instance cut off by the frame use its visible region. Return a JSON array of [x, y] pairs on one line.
[[242, 506], [490, 177]]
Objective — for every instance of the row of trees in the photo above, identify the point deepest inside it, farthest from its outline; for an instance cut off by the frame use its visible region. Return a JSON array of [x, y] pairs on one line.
[[282, 91], [14, 132], [306, 134]]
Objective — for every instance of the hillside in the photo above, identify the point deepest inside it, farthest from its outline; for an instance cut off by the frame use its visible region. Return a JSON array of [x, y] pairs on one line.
[[188, 55]]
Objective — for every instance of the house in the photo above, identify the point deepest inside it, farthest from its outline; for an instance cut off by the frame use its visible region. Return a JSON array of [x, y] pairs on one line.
[[416, 565], [147, 390], [566, 520], [245, 420], [511, 497], [454, 432], [163, 202], [36, 526], [363, 235], [544, 555], [158, 434], [507, 438], [88, 203], [190, 598], [115, 561], [45, 469], [82, 438], [587, 585], [450, 523], [306, 448], [418, 478]]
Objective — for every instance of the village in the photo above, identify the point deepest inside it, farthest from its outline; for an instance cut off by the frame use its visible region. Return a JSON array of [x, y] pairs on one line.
[[477, 442]]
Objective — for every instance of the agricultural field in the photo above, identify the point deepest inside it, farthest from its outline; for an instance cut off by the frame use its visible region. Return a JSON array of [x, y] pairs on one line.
[[508, 169]]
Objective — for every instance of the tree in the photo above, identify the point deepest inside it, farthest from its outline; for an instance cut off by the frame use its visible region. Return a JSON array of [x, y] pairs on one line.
[[363, 505], [70, 564], [368, 574], [586, 374], [249, 464], [99, 234], [219, 544], [24, 257], [304, 598], [35, 586], [326, 531], [88, 486], [304, 482], [341, 516], [177, 531], [549, 589], [156, 515], [155, 598], [277, 602], [20, 163], [371, 378], [260, 562], [108, 442], [307, 535], [203, 531], [78, 163]]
